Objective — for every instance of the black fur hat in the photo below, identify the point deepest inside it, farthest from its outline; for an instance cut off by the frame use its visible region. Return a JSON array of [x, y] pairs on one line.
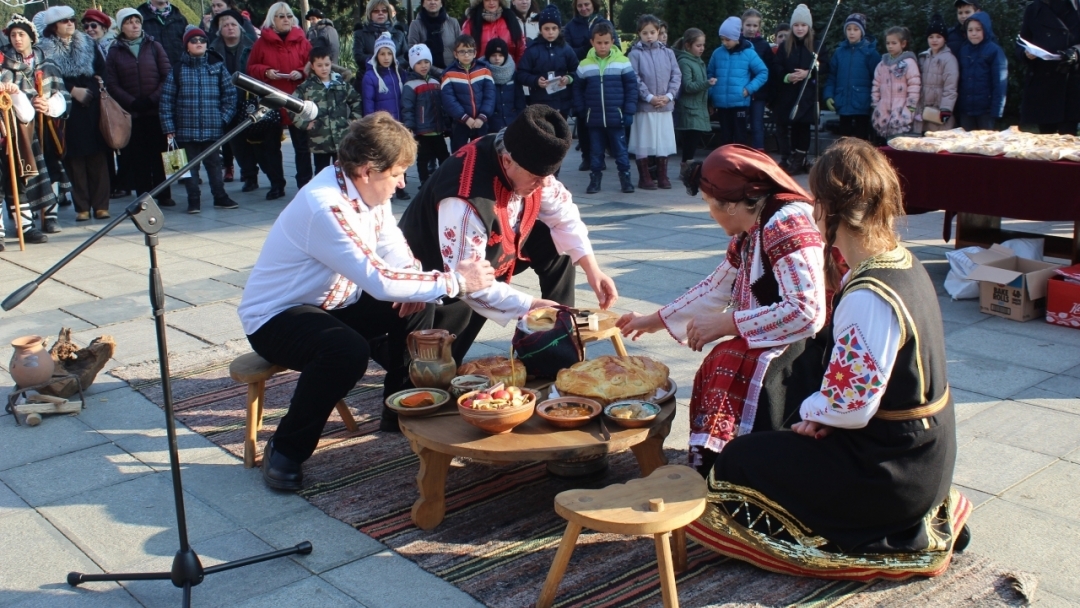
[[937, 26], [538, 139]]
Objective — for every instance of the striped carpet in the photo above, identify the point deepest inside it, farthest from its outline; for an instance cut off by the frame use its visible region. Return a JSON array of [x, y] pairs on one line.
[[500, 532]]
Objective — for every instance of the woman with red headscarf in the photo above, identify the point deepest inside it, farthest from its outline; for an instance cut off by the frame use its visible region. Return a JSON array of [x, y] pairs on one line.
[[768, 296]]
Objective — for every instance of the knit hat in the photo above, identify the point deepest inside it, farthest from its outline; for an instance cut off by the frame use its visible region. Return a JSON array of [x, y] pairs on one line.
[[736, 172], [126, 12], [191, 32], [538, 139], [496, 45], [858, 19], [801, 14], [937, 26], [97, 16], [550, 14], [24, 24], [731, 28], [384, 41], [418, 53], [229, 12], [974, 3]]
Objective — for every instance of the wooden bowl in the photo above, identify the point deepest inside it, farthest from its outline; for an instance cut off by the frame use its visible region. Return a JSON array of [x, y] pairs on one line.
[[632, 423], [501, 421], [394, 402], [543, 408]]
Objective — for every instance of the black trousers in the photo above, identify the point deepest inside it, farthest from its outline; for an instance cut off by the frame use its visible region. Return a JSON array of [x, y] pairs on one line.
[[330, 349], [323, 161], [689, 140], [429, 147], [301, 154], [855, 125], [140, 160], [557, 277], [267, 153], [735, 125]]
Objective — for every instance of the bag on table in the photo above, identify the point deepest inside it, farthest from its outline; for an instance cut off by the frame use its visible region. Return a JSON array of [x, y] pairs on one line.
[[546, 352], [113, 121]]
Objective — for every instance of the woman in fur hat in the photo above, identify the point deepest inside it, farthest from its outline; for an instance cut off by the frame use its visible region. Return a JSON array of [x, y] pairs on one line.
[[487, 19], [80, 63], [24, 65]]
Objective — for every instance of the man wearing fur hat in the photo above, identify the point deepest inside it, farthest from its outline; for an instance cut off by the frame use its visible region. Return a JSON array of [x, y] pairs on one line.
[[496, 199]]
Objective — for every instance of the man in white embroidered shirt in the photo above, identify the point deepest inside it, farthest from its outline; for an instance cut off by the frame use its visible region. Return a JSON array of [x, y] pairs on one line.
[[334, 274], [497, 199]]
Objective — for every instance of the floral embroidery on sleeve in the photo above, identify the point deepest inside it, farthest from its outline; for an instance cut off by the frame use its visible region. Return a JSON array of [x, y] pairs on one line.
[[853, 377]]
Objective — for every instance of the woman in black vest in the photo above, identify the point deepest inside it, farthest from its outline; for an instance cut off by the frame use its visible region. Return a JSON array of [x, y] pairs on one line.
[[862, 488]]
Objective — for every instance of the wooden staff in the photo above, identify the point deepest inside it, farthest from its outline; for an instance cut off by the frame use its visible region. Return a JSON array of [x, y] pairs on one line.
[[39, 82], [9, 126]]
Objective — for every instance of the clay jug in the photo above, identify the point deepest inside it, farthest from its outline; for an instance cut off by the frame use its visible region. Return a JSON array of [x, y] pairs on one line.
[[432, 363], [31, 364]]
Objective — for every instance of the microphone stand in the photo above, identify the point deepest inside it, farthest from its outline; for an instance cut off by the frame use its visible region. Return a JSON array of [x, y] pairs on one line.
[[817, 95], [187, 571]]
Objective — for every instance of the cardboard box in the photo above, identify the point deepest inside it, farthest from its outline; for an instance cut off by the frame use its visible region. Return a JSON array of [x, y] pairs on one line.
[[1062, 302], [1010, 286]]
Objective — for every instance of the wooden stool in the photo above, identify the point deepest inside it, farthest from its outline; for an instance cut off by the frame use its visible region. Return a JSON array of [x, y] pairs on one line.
[[254, 371], [607, 331], [664, 502]]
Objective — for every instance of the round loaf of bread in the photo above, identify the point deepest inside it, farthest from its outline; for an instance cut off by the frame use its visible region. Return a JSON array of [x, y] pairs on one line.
[[541, 319], [608, 379], [497, 368]]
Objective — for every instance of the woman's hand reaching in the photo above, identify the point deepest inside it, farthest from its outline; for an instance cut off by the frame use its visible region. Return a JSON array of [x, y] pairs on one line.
[[634, 324]]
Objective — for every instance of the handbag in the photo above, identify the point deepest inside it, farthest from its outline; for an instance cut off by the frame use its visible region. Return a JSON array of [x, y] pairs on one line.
[[546, 352], [932, 115], [262, 126], [174, 159], [113, 121]]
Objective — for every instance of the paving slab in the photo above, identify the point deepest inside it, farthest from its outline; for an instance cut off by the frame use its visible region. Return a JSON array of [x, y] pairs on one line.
[[993, 467], [223, 588], [37, 577], [1054, 490], [10, 503], [1028, 426], [1017, 538], [45, 323], [238, 278], [423, 589], [979, 374], [136, 340], [311, 592], [137, 426], [45, 481], [335, 543], [967, 403], [56, 435], [119, 526], [1037, 353], [976, 497], [964, 312], [117, 309], [203, 291], [104, 280], [222, 482]]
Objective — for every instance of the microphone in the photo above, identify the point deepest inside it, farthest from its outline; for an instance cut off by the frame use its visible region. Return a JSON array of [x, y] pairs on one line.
[[273, 98]]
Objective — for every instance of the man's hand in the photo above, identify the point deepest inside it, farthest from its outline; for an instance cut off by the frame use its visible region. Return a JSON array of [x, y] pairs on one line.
[[634, 324], [602, 285], [542, 303], [811, 429], [405, 309], [709, 328], [478, 274]]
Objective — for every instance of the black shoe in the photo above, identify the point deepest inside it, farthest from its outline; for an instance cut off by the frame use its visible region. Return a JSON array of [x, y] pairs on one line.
[[594, 182], [626, 182], [119, 193], [193, 210], [225, 203], [64, 201], [250, 185], [389, 421], [402, 195], [166, 202], [281, 472], [275, 193], [35, 236], [584, 166], [51, 227]]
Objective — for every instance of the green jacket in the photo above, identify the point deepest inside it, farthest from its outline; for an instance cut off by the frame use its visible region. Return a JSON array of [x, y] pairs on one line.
[[693, 101], [339, 104]]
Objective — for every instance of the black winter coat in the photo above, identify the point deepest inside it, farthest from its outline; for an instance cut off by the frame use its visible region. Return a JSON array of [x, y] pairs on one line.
[[78, 63], [169, 32], [1050, 96], [786, 94], [364, 37]]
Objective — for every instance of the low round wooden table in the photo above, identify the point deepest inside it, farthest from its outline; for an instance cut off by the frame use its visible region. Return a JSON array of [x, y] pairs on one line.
[[437, 439]]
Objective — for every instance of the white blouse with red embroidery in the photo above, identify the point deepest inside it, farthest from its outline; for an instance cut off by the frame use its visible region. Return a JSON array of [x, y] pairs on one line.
[[867, 335], [328, 246], [794, 243], [463, 236]]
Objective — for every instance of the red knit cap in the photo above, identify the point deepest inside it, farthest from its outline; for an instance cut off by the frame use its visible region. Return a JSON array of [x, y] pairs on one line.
[[92, 14], [191, 33], [735, 172]]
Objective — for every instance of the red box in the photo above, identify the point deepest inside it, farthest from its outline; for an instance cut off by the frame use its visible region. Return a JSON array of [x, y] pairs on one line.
[[1063, 302]]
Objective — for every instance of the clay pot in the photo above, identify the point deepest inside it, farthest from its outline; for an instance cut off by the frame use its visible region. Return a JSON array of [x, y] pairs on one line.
[[432, 363], [31, 364]]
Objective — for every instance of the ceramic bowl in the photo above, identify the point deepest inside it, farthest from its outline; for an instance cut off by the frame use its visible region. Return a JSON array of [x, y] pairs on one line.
[[496, 422], [633, 423], [469, 383], [544, 409], [394, 402]]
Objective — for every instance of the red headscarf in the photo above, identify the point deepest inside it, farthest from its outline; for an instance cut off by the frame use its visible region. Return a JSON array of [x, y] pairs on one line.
[[735, 172]]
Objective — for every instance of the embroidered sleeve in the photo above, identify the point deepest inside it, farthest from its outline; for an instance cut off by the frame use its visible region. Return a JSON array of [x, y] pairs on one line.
[[558, 211], [392, 245], [793, 242], [867, 335], [462, 236], [709, 296]]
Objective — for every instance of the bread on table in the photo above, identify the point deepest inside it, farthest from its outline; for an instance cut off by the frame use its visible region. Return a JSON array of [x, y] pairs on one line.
[[608, 378], [497, 368]]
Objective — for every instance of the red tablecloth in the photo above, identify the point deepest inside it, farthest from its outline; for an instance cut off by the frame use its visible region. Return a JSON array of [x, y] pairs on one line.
[[991, 185]]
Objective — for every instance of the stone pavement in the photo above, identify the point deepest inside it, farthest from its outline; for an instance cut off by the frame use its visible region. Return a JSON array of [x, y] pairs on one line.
[[92, 492]]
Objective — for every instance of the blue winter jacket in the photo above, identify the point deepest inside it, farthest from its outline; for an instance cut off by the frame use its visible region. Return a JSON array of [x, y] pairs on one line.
[[851, 77], [468, 93], [201, 104], [605, 90], [509, 96], [421, 104], [984, 74], [735, 70], [542, 58], [578, 34]]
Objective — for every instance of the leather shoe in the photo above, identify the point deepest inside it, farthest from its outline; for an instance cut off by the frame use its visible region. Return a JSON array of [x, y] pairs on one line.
[[250, 185], [51, 227], [281, 472], [275, 193], [389, 421]]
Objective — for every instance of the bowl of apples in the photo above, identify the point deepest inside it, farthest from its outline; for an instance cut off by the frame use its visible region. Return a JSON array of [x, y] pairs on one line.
[[497, 409]]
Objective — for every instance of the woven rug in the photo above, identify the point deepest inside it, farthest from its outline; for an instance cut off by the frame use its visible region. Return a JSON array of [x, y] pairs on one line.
[[500, 533]]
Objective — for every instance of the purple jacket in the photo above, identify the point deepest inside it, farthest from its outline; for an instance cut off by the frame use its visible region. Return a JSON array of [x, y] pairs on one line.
[[658, 73], [128, 78], [380, 89]]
